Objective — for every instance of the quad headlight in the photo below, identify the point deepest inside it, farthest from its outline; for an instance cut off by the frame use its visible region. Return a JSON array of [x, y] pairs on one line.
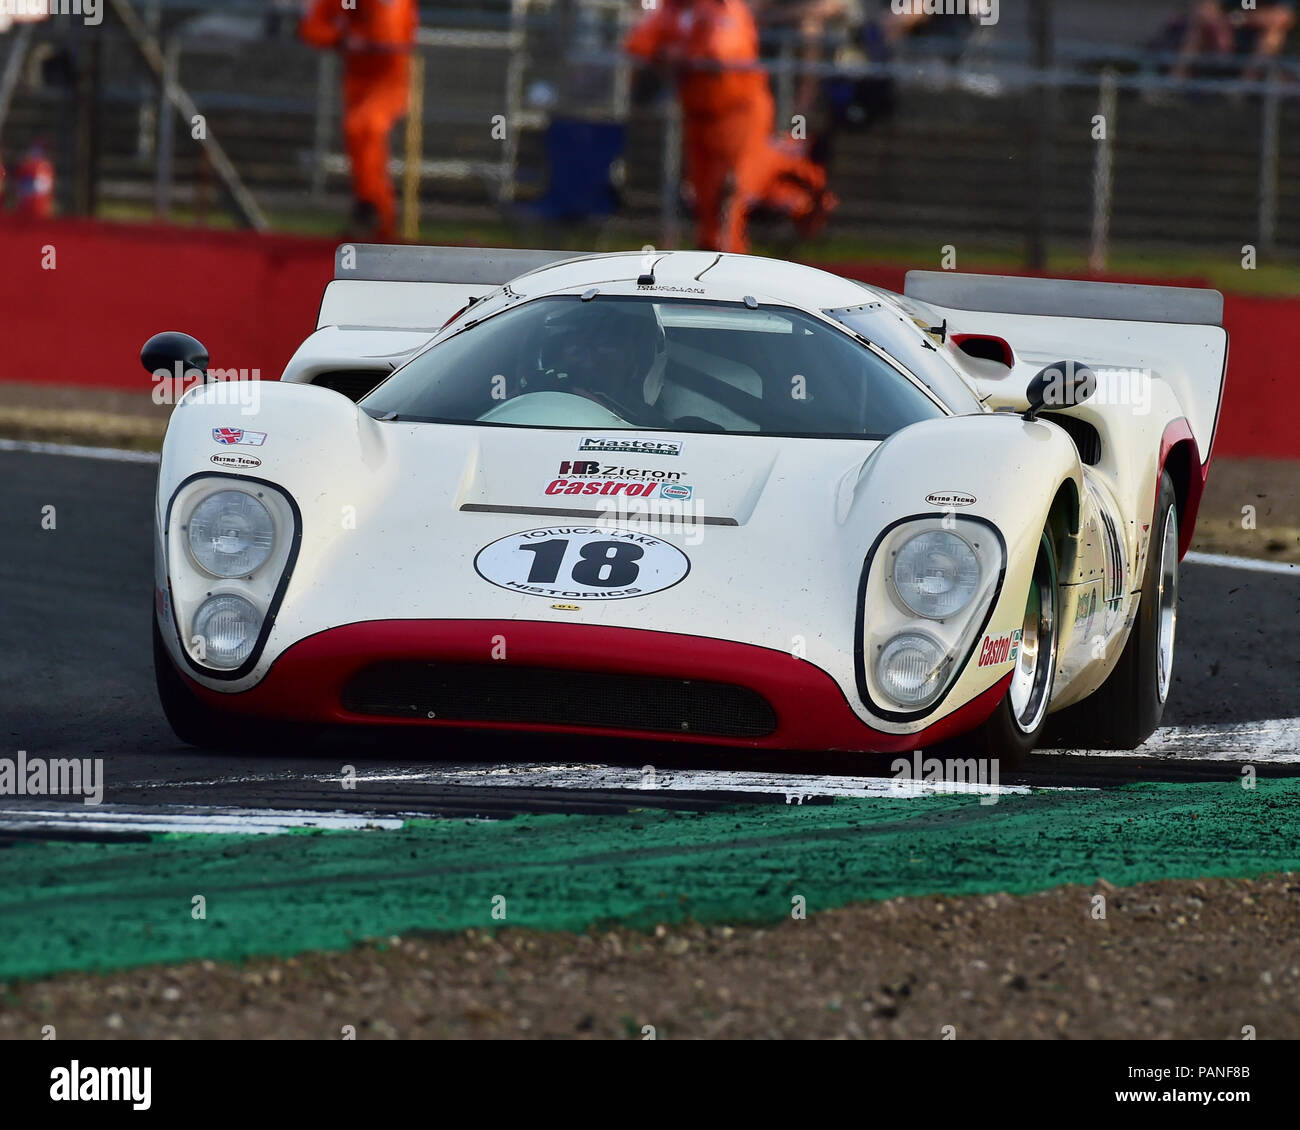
[[230, 544], [911, 667], [228, 626], [936, 573], [231, 534], [928, 589]]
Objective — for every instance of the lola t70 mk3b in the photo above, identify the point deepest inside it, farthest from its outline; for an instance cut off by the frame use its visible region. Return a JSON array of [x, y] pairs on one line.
[[709, 498]]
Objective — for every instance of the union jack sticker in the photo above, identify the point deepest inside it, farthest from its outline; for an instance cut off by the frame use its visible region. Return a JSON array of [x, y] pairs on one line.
[[239, 435]]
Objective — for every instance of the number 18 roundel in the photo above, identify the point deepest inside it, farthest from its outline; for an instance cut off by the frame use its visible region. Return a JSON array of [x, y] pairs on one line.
[[582, 562]]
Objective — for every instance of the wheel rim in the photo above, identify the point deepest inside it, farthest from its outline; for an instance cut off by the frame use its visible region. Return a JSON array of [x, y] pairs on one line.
[[1167, 603], [1031, 680]]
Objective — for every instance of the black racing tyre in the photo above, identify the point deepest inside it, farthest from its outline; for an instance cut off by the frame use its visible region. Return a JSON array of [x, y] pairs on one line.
[[191, 720], [1126, 709], [1011, 732]]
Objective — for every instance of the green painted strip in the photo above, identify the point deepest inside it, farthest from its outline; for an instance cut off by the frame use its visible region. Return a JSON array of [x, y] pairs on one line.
[[106, 905]]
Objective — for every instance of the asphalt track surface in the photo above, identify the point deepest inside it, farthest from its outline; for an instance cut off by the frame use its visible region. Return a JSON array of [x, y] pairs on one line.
[[76, 681]]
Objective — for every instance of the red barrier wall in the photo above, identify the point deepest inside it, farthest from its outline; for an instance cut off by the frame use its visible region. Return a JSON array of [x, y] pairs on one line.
[[251, 299]]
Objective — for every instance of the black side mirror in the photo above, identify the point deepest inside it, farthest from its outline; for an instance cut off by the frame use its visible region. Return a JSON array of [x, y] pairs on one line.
[[1063, 384], [176, 353]]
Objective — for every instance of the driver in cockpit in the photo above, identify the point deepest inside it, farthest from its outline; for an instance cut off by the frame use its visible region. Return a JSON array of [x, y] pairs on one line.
[[613, 357]]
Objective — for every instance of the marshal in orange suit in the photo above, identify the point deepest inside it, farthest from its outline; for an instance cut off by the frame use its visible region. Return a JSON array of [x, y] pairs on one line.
[[733, 163], [376, 38]]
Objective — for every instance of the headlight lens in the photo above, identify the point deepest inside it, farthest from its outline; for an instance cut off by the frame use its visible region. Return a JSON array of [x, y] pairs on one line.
[[231, 533], [936, 573], [910, 668], [228, 626]]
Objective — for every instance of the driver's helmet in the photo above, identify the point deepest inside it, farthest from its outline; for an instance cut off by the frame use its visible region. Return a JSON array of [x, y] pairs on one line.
[[611, 352]]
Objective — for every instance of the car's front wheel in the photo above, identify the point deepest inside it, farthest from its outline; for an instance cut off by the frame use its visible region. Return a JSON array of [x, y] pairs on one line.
[[1012, 730], [1126, 709]]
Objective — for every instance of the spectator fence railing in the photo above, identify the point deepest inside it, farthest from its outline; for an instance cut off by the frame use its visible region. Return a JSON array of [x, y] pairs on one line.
[[516, 69]]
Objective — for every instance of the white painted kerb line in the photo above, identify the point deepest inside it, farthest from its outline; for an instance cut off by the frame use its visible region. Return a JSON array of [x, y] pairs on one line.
[[76, 451], [1274, 740], [621, 778], [1249, 564], [120, 819]]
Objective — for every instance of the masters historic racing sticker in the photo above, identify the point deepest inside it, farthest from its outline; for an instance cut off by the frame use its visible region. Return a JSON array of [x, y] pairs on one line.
[[630, 446], [582, 562]]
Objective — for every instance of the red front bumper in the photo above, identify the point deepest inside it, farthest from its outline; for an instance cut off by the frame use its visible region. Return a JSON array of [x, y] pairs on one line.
[[306, 683]]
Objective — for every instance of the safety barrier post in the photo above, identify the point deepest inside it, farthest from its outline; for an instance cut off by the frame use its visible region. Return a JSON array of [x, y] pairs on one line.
[[414, 152], [1269, 159], [1103, 173]]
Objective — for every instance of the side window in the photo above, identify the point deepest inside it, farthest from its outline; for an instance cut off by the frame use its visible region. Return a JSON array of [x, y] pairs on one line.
[[902, 339], [846, 382]]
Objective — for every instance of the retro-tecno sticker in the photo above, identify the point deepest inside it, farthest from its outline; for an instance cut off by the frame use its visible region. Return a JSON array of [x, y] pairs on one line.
[[950, 498], [582, 563]]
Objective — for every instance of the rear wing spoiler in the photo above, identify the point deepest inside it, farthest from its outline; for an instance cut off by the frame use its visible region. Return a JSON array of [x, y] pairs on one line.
[[491, 266], [1171, 332], [1066, 298], [378, 286]]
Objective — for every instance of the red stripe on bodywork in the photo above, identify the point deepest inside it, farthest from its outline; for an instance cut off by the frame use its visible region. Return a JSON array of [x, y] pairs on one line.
[[1180, 431], [306, 682]]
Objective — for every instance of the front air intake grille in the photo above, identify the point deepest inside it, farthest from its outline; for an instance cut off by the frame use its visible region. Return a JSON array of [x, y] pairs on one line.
[[475, 692], [352, 383], [1086, 438]]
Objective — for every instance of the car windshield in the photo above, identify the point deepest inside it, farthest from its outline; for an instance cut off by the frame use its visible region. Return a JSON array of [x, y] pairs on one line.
[[633, 362]]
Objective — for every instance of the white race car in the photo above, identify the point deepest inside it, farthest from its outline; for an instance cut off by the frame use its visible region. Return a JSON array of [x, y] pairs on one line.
[[711, 498]]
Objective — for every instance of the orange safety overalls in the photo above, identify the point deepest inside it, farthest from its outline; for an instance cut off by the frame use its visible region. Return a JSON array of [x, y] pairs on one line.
[[376, 38], [733, 163]]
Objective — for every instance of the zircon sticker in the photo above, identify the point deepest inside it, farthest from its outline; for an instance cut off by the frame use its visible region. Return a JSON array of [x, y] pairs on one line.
[[578, 467]]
